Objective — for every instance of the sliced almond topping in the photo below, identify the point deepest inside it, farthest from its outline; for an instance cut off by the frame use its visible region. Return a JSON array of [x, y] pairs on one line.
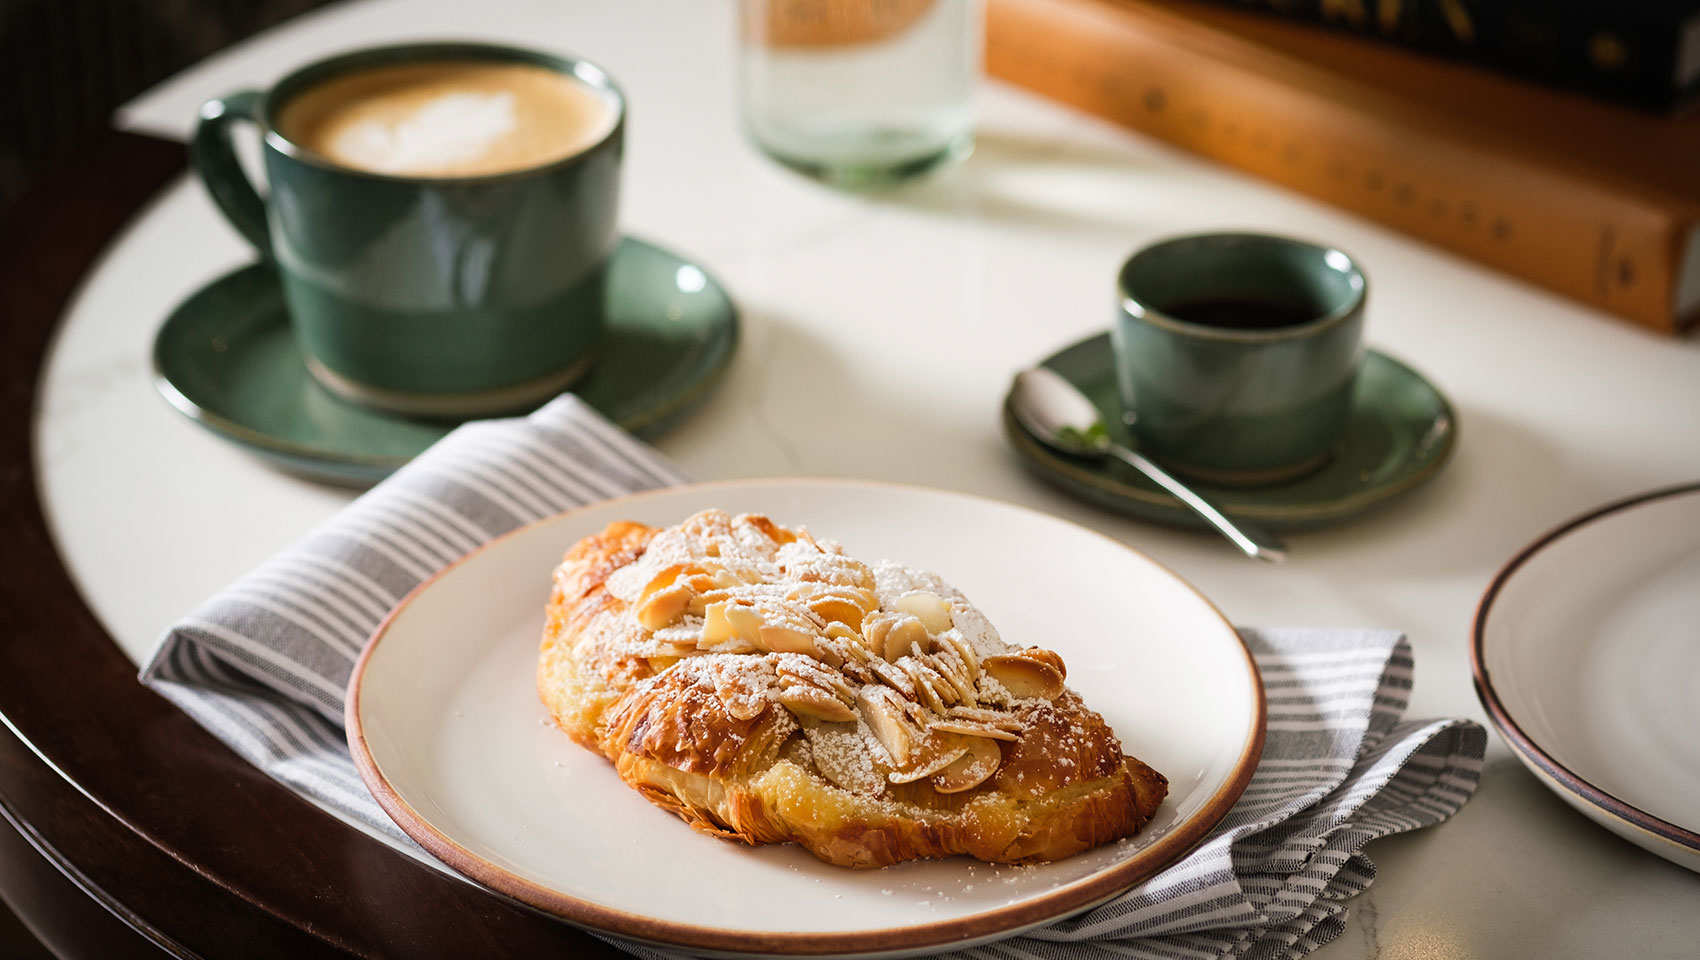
[[810, 701], [950, 666], [803, 670], [892, 676], [874, 628], [717, 622], [836, 609], [936, 692], [993, 718], [902, 638], [719, 595], [709, 525], [829, 652], [919, 676], [968, 728], [743, 694], [662, 580], [734, 645], [745, 621], [1024, 678], [786, 638], [1046, 656], [824, 566], [774, 531], [852, 639], [858, 672], [700, 582], [665, 606], [942, 684], [673, 651], [883, 711], [842, 754], [954, 640], [729, 572], [971, 769], [931, 609], [936, 752], [810, 590]]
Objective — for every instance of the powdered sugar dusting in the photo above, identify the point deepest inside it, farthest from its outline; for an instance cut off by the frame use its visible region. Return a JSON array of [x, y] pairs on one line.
[[887, 687]]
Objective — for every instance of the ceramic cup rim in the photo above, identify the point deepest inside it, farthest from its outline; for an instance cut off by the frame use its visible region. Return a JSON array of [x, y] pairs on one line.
[[307, 75], [1133, 308]]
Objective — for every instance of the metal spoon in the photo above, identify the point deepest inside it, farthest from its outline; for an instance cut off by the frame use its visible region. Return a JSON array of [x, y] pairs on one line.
[[1061, 417]]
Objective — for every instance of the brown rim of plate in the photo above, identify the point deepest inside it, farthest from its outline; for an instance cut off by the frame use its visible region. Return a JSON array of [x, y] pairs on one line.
[[1514, 735], [1080, 895]]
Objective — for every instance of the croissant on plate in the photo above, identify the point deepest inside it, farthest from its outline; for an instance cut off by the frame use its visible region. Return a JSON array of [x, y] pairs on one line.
[[765, 687]]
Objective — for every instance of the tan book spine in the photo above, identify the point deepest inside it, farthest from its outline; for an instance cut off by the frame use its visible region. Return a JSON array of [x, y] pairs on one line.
[[1618, 246]]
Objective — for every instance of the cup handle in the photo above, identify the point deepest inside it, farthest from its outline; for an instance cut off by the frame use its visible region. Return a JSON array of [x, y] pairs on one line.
[[214, 157]]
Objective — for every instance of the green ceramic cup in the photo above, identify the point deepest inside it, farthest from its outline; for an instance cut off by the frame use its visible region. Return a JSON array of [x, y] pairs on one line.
[[446, 296], [1236, 354]]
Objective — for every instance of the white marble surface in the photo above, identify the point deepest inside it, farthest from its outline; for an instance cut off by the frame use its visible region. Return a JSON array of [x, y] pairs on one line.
[[880, 334]]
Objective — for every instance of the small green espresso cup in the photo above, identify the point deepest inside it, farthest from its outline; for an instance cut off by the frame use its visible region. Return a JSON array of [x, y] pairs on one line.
[[455, 290], [1236, 354]]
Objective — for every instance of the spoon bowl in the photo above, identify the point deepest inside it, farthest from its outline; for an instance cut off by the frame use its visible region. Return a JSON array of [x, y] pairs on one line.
[[1058, 415]]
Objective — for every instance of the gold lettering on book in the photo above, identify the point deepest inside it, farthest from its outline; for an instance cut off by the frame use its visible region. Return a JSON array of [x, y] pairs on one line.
[[1387, 15]]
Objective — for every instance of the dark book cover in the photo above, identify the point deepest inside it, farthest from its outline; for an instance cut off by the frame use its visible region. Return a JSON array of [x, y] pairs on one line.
[[1642, 52]]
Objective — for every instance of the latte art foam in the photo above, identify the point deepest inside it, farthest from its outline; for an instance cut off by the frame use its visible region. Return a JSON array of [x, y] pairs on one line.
[[447, 119], [448, 132]]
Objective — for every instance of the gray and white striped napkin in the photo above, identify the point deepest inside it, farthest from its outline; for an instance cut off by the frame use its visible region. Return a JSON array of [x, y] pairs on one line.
[[263, 666]]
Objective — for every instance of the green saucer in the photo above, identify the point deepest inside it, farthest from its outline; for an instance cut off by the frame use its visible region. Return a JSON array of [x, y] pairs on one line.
[[226, 359], [1400, 433]]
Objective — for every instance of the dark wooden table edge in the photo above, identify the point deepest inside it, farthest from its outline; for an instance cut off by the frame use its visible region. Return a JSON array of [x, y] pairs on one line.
[[70, 695]]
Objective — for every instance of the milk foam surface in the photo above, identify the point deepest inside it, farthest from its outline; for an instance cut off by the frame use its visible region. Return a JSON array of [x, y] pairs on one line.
[[451, 118], [445, 132]]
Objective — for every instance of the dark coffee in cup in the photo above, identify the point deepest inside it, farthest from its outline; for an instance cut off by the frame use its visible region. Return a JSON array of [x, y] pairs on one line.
[[1240, 313]]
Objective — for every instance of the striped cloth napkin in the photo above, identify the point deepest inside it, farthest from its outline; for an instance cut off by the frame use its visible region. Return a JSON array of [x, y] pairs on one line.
[[263, 666]]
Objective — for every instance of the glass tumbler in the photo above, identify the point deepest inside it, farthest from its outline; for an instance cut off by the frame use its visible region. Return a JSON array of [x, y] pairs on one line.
[[860, 92]]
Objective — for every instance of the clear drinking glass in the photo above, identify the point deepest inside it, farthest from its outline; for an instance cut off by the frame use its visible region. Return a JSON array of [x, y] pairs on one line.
[[860, 91]]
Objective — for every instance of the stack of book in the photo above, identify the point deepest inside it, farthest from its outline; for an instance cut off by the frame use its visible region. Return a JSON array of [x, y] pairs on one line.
[[1587, 197]]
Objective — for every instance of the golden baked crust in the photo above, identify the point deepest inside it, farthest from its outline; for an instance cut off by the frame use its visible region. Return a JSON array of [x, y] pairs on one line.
[[766, 688]]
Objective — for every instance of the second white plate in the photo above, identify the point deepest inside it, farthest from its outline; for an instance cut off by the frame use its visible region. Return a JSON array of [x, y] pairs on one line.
[[1587, 659], [445, 724]]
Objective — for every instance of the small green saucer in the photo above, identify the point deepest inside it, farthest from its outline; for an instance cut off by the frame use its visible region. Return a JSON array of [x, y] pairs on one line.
[[226, 359], [1400, 433]]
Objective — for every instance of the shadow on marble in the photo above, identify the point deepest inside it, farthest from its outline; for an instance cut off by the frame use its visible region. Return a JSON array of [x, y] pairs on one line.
[[1047, 183], [1487, 503]]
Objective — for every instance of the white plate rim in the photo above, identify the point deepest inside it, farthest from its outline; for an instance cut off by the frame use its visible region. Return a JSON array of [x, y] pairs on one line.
[[1558, 777], [1089, 891]]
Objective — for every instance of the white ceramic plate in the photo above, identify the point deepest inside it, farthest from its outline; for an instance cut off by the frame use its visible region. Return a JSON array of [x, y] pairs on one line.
[[445, 724], [1587, 658]]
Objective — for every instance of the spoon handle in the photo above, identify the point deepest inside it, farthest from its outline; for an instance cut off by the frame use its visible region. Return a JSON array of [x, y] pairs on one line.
[[1250, 538]]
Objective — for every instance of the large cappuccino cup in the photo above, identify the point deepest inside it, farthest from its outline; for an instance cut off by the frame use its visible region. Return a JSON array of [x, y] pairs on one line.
[[441, 217]]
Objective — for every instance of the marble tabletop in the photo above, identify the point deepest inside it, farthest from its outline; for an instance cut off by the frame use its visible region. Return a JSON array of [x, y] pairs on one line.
[[880, 333]]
